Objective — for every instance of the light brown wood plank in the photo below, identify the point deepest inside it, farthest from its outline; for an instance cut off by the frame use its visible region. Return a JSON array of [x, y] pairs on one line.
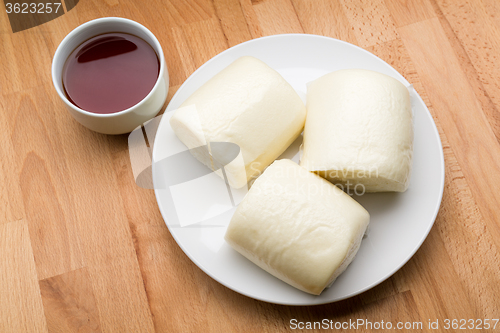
[[171, 15], [42, 180], [435, 295], [35, 61], [251, 18], [493, 7], [10, 71], [478, 49], [193, 10], [466, 235], [4, 22], [284, 20], [69, 303], [232, 19], [175, 58], [406, 12], [325, 18], [205, 39], [47, 223], [171, 92], [107, 244], [34, 117], [395, 54], [21, 307], [59, 28], [186, 58], [89, 10], [459, 112], [371, 21], [386, 289], [401, 306], [10, 194]]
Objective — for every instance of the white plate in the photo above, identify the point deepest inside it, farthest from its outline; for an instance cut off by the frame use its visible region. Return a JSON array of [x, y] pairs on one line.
[[399, 222]]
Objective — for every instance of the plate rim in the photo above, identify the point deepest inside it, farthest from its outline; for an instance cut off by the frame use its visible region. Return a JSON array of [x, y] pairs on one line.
[[362, 290]]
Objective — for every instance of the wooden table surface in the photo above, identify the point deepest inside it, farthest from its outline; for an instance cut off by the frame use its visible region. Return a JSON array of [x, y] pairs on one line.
[[83, 249]]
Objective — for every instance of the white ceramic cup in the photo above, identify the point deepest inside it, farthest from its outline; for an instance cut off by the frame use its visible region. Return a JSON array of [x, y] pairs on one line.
[[118, 122]]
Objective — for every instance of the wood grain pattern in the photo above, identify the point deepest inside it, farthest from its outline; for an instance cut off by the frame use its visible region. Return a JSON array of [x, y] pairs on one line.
[[4, 23], [316, 16], [478, 49], [22, 309], [83, 249], [205, 39], [284, 18], [251, 18], [107, 243], [371, 21], [232, 19], [69, 303], [410, 11], [10, 192], [48, 204], [480, 151]]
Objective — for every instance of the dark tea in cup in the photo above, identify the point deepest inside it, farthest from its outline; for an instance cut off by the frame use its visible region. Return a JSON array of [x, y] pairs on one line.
[[110, 72]]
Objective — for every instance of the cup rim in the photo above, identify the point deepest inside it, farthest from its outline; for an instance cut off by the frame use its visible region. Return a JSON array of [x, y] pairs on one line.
[[82, 27]]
